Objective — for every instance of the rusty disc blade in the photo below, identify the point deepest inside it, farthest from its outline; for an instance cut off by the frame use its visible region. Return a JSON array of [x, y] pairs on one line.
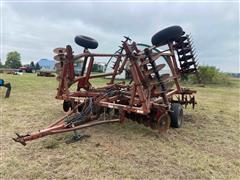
[[158, 68], [163, 123], [59, 50], [59, 57], [164, 78]]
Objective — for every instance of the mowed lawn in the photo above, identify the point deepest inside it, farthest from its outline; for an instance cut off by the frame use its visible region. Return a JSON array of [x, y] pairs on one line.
[[206, 147]]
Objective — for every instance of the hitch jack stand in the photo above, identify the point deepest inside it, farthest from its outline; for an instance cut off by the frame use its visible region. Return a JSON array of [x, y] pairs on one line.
[[76, 137]]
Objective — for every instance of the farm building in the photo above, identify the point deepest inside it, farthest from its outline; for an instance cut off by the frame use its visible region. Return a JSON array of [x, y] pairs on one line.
[[97, 67], [46, 64]]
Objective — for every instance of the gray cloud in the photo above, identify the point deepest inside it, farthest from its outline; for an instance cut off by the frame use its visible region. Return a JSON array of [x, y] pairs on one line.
[[34, 29]]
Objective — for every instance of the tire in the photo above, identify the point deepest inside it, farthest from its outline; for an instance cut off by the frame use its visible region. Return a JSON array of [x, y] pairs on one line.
[[167, 35], [86, 42], [176, 115]]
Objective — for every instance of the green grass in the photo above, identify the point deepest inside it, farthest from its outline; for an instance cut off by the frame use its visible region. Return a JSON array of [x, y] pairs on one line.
[[206, 147]]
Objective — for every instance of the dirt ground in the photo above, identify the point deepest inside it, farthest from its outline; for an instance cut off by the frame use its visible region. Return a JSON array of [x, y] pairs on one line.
[[206, 147]]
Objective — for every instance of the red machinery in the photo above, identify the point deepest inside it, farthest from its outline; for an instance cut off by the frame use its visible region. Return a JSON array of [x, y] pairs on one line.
[[151, 98]]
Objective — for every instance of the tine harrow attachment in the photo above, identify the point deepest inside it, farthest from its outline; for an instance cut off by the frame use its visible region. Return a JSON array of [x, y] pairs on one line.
[[186, 55], [153, 95]]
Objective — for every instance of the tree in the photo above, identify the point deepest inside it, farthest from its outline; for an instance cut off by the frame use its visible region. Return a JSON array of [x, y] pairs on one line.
[[210, 75], [13, 60], [1, 65], [32, 65], [38, 67]]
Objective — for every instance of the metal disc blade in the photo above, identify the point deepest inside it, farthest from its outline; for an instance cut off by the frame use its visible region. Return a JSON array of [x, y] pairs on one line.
[[59, 57], [59, 50], [165, 78], [158, 68]]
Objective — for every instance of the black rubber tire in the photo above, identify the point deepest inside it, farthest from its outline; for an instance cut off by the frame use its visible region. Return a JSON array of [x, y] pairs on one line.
[[166, 35], [86, 42], [176, 115]]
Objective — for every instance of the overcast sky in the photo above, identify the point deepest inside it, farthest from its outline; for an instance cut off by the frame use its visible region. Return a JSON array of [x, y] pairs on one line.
[[35, 29]]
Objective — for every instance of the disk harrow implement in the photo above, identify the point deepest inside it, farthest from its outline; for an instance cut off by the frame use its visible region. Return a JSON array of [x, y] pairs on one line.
[[153, 95]]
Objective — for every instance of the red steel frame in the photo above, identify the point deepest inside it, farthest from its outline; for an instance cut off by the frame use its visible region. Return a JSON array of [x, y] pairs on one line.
[[141, 95]]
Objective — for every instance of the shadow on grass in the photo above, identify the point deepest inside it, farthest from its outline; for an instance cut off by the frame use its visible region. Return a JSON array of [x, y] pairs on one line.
[[129, 130]]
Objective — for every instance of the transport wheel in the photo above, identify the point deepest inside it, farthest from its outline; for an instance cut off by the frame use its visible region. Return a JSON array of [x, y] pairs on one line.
[[163, 123], [86, 42], [166, 35], [176, 115]]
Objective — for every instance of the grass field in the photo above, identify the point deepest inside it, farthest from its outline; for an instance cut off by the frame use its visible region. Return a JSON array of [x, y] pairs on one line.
[[206, 147]]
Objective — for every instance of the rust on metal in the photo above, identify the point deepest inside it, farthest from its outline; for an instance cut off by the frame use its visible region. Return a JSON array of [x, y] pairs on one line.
[[145, 99]]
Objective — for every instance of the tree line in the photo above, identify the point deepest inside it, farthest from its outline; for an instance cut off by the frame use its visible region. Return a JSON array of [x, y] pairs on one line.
[[13, 61], [209, 75]]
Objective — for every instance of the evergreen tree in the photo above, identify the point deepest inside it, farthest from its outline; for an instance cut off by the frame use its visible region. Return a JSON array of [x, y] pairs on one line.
[[32, 65], [38, 67]]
